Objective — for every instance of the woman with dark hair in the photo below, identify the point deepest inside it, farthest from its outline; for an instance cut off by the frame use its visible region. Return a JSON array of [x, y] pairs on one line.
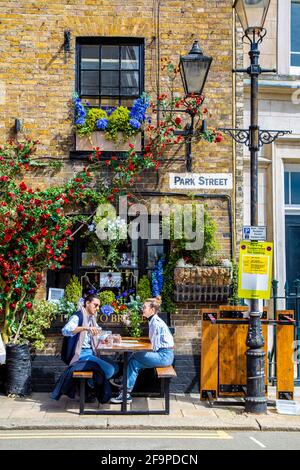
[[82, 331]]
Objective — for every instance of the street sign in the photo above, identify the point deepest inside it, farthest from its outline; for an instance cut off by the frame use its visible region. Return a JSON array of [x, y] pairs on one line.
[[192, 181], [255, 270], [254, 233]]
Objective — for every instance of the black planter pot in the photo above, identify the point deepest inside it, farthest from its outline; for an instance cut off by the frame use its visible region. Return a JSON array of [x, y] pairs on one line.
[[18, 370]]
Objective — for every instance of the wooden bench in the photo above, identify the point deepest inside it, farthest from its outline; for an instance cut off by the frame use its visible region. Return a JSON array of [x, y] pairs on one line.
[[166, 374], [83, 376]]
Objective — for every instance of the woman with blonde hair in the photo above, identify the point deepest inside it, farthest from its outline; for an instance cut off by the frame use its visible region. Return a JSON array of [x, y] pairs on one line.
[[162, 344]]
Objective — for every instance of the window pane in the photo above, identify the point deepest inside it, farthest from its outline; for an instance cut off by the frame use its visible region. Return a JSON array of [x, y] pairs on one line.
[[130, 83], [110, 57], [286, 187], [295, 60], [295, 27], [295, 188], [130, 79], [130, 57], [105, 91], [90, 57], [89, 83], [130, 92], [109, 79]]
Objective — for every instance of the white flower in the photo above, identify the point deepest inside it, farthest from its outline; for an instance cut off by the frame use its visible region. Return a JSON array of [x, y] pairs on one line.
[[111, 229]]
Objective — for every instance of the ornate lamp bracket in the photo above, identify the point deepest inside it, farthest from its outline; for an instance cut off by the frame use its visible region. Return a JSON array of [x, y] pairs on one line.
[[242, 136]]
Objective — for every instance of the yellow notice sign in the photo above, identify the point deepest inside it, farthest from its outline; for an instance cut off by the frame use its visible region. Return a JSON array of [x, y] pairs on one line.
[[255, 270]]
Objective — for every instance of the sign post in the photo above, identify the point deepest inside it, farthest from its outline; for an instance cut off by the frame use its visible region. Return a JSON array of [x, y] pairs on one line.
[[255, 270]]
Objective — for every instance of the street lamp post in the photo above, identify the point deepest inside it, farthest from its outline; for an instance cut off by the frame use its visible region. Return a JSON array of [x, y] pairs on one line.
[[252, 15]]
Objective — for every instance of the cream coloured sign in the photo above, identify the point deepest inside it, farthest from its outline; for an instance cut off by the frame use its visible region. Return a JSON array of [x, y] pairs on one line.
[[201, 181]]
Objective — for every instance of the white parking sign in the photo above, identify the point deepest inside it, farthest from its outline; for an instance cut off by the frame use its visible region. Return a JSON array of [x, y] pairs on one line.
[[254, 233]]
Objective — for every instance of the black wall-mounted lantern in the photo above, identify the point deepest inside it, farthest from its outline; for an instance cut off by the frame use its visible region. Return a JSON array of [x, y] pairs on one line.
[[194, 68], [67, 40], [17, 126]]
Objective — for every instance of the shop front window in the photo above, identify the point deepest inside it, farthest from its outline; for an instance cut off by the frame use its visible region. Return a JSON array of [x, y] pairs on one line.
[[136, 258]]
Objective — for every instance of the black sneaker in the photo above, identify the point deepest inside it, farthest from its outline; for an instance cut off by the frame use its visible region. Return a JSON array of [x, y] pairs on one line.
[[119, 398], [117, 382]]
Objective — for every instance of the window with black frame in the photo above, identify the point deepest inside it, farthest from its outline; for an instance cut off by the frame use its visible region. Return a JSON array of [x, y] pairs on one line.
[[136, 258], [110, 71]]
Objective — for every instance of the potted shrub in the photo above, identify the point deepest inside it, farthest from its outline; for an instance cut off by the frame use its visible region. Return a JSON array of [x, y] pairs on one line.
[[109, 129], [28, 335]]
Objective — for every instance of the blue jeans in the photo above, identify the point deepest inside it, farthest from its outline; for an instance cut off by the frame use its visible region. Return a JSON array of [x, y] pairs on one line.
[[147, 360], [108, 366]]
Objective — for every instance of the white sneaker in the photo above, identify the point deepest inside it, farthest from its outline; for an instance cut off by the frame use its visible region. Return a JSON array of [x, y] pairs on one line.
[[119, 398]]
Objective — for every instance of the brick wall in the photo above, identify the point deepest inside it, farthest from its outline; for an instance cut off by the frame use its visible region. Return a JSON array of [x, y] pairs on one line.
[[37, 79]]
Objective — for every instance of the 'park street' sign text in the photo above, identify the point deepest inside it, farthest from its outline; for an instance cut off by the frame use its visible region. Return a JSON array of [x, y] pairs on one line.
[[194, 181]]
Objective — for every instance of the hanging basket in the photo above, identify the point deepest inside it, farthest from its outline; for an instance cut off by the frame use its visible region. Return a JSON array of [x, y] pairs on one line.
[[18, 370], [202, 284]]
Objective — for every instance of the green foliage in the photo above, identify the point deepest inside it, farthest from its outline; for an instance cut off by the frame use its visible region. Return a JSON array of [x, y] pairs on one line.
[[143, 288], [205, 256], [118, 121], [106, 250], [36, 322], [73, 290], [93, 115], [168, 304], [107, 297], [234, 298], [134, 316]]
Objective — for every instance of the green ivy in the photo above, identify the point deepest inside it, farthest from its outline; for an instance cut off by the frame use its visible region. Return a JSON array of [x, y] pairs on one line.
[[143, 288]]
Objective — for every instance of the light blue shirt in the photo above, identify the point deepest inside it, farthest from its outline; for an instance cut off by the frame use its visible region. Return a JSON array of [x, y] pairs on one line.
[[159, 334], [72, 324]]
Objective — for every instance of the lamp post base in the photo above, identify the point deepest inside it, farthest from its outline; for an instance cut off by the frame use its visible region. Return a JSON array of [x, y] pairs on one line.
[[256, 401]]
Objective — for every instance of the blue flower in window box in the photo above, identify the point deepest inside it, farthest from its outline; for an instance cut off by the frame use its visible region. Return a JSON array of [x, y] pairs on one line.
[[101, 124], [107, 310]]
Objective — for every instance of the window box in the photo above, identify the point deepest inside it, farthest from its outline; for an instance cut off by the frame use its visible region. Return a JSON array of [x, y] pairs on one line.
[[97, 139]]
